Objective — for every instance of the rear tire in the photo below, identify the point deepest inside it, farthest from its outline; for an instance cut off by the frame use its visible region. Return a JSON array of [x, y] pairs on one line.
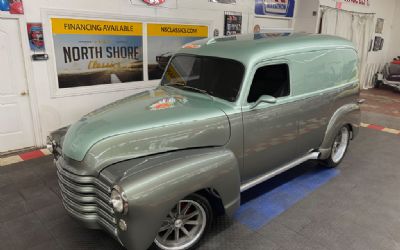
[[339, 147], [185, 225]]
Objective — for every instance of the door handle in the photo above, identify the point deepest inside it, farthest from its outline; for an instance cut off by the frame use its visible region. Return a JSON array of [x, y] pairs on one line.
[[24, 93]]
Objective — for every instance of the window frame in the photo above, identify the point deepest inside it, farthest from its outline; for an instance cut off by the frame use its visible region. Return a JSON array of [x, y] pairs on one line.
[[242, 80], [264, 64]]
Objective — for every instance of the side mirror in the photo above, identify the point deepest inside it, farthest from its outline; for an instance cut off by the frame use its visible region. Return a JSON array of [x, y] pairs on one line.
[[264, 99]]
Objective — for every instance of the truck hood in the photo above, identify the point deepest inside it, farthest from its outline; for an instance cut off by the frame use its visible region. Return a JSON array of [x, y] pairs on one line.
[[154, 121]]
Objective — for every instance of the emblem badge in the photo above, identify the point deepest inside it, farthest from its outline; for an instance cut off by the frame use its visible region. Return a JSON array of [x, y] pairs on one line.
[[191, 46], [154, 2], [168, 102]]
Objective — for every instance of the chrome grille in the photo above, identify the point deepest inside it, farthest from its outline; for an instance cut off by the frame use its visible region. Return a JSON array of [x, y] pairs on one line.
[[88, 199]]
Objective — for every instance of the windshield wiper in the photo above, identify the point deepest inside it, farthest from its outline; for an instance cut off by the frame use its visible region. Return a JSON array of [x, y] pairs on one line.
[[191, 88]]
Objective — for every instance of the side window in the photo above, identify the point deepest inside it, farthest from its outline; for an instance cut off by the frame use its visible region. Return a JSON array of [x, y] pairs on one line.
[[270, 80]]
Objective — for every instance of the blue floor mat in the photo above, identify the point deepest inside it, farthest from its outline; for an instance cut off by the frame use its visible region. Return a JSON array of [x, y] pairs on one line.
[[268, 200]]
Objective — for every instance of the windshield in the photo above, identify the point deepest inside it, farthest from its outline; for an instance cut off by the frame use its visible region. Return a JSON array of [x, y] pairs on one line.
[[218, 77]]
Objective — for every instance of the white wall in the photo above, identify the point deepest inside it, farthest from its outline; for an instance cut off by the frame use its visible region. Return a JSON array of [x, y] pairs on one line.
[[394, 43], [386, 9], [382, 9], [305, 21], [54, 112]]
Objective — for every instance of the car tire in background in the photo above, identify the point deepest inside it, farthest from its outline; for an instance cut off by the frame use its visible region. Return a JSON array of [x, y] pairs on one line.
[[185, 225]]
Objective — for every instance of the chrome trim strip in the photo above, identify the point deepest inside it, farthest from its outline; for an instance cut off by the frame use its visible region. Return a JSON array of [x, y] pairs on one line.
[[269, 175], [84, 179], [86, 199], [82, 189], [393, 84], [390, 82], [94, 218], [89, 210]]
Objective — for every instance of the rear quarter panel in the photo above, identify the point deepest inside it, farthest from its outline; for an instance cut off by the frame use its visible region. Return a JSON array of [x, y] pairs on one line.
[[323, 82]]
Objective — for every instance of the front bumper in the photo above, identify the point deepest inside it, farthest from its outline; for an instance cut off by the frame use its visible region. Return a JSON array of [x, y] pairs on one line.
[[87, 199]]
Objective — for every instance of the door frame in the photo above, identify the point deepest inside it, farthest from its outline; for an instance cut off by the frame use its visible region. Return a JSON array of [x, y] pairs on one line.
[[249, 81], [32, 96]]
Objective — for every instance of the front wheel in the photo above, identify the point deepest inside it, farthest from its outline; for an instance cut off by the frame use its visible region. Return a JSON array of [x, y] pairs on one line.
[[185, 224], [339, 147]]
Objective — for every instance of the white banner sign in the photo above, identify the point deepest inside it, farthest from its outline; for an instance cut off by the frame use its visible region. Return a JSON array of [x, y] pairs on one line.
[[359, 2]]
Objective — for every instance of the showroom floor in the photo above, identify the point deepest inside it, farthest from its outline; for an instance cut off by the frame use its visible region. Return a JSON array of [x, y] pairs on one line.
[[356, 206], [382, 107], [383, 101]]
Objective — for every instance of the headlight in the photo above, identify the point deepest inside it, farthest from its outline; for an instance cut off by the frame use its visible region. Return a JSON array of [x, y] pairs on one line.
[[119, 200]]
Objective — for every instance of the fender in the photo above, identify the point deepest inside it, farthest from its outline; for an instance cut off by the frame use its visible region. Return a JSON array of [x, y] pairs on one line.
[[347, 114], [153, 185]]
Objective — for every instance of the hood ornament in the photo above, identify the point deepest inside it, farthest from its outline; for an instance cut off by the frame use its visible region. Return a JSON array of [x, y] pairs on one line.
[[168, 102]]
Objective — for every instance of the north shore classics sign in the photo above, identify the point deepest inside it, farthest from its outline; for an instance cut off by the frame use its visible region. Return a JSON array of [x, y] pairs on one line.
[[93, 52]]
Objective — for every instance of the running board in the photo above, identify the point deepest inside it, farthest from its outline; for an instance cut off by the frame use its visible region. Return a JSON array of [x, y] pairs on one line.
[[269, 175]]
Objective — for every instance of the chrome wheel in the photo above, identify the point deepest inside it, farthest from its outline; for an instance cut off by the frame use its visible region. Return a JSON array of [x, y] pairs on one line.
[[183, 226], [340, 144]]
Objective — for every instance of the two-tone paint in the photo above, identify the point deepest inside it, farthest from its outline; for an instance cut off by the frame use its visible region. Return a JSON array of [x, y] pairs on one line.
[[193, 143]]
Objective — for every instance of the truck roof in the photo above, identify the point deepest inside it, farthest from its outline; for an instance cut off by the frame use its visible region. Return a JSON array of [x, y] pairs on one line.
[[253, 47]]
